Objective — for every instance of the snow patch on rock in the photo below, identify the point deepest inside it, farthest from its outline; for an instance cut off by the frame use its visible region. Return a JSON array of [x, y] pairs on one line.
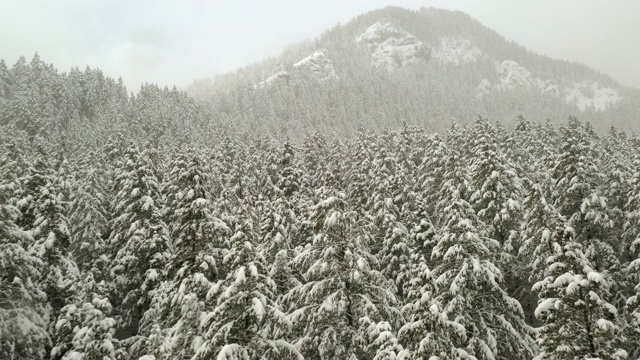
[[281, 75], [391, 47], [455, 51], [513, 75], [485, 87], [585, 95], [317, 64]]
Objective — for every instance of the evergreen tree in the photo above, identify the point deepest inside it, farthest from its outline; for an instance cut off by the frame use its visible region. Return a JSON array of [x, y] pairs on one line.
[[391, 238], [342, 293], [469, 285], [47, 208], [577, 320], [428, 332], [89, 220], [245, 314], [173, 320], [497, 188], [23, 314], [139, 241], [277, 227], [85, 329]]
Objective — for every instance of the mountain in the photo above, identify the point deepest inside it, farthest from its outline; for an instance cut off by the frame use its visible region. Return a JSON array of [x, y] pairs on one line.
[[425, 67], [381, 69]]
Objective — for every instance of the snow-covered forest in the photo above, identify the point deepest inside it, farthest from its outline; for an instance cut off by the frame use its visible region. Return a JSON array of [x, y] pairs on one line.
[[323, 206], [480, 243]]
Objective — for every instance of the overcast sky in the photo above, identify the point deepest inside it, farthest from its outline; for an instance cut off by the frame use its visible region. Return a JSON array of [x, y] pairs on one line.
[[174, 42]]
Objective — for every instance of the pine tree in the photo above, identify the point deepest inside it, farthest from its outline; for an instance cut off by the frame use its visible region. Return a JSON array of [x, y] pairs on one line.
[[245, 314], [538, 222], [497, 188], [85, 329], [88, 217], [576, 193], [342, 293], [289, 176], [468, 284], [23, 314], [428, 332], [383, 342], [631, 233], [174, 317], [139, 240], [633, 303], [577, 320], [277, 228], [391, 238], [47, 209]]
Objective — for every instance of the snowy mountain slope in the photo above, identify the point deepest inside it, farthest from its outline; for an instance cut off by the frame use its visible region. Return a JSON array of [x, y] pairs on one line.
[[453, 67], [391, 47]]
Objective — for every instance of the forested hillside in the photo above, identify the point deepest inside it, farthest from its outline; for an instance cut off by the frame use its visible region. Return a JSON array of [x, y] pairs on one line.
[[79, 110], [481, 243], [425, 67]]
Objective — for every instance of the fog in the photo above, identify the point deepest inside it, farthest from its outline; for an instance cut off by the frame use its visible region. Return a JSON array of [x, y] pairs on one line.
[[170, 42]]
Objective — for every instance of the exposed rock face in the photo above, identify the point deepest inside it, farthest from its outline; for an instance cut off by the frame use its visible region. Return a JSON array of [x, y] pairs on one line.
[[391, 47]]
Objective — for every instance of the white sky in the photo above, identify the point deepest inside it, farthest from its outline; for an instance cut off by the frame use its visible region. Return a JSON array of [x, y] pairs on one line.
[[174, 42]]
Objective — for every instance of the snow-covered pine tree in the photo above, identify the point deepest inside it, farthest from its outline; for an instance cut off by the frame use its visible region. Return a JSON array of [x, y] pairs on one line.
[[139, 240], [391, 240], [174, 317], [277, 227], [576, 192], [619, 175], [522, 154], [314, 152], [383, 342], [631, 233], [358, 175], [245, 314], [423, 240], [497, 188], [13, 166], [342, 293], [87, 214], [288, 174], [578, 197], [632, 307], [47, 209], [428, 332], [538, 222], [431, 172], [467, 283], [85, 329], [578, 322], [23, 313]]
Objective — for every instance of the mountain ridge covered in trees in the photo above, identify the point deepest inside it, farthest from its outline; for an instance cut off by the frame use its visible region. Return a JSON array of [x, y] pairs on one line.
[[440, 66]]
